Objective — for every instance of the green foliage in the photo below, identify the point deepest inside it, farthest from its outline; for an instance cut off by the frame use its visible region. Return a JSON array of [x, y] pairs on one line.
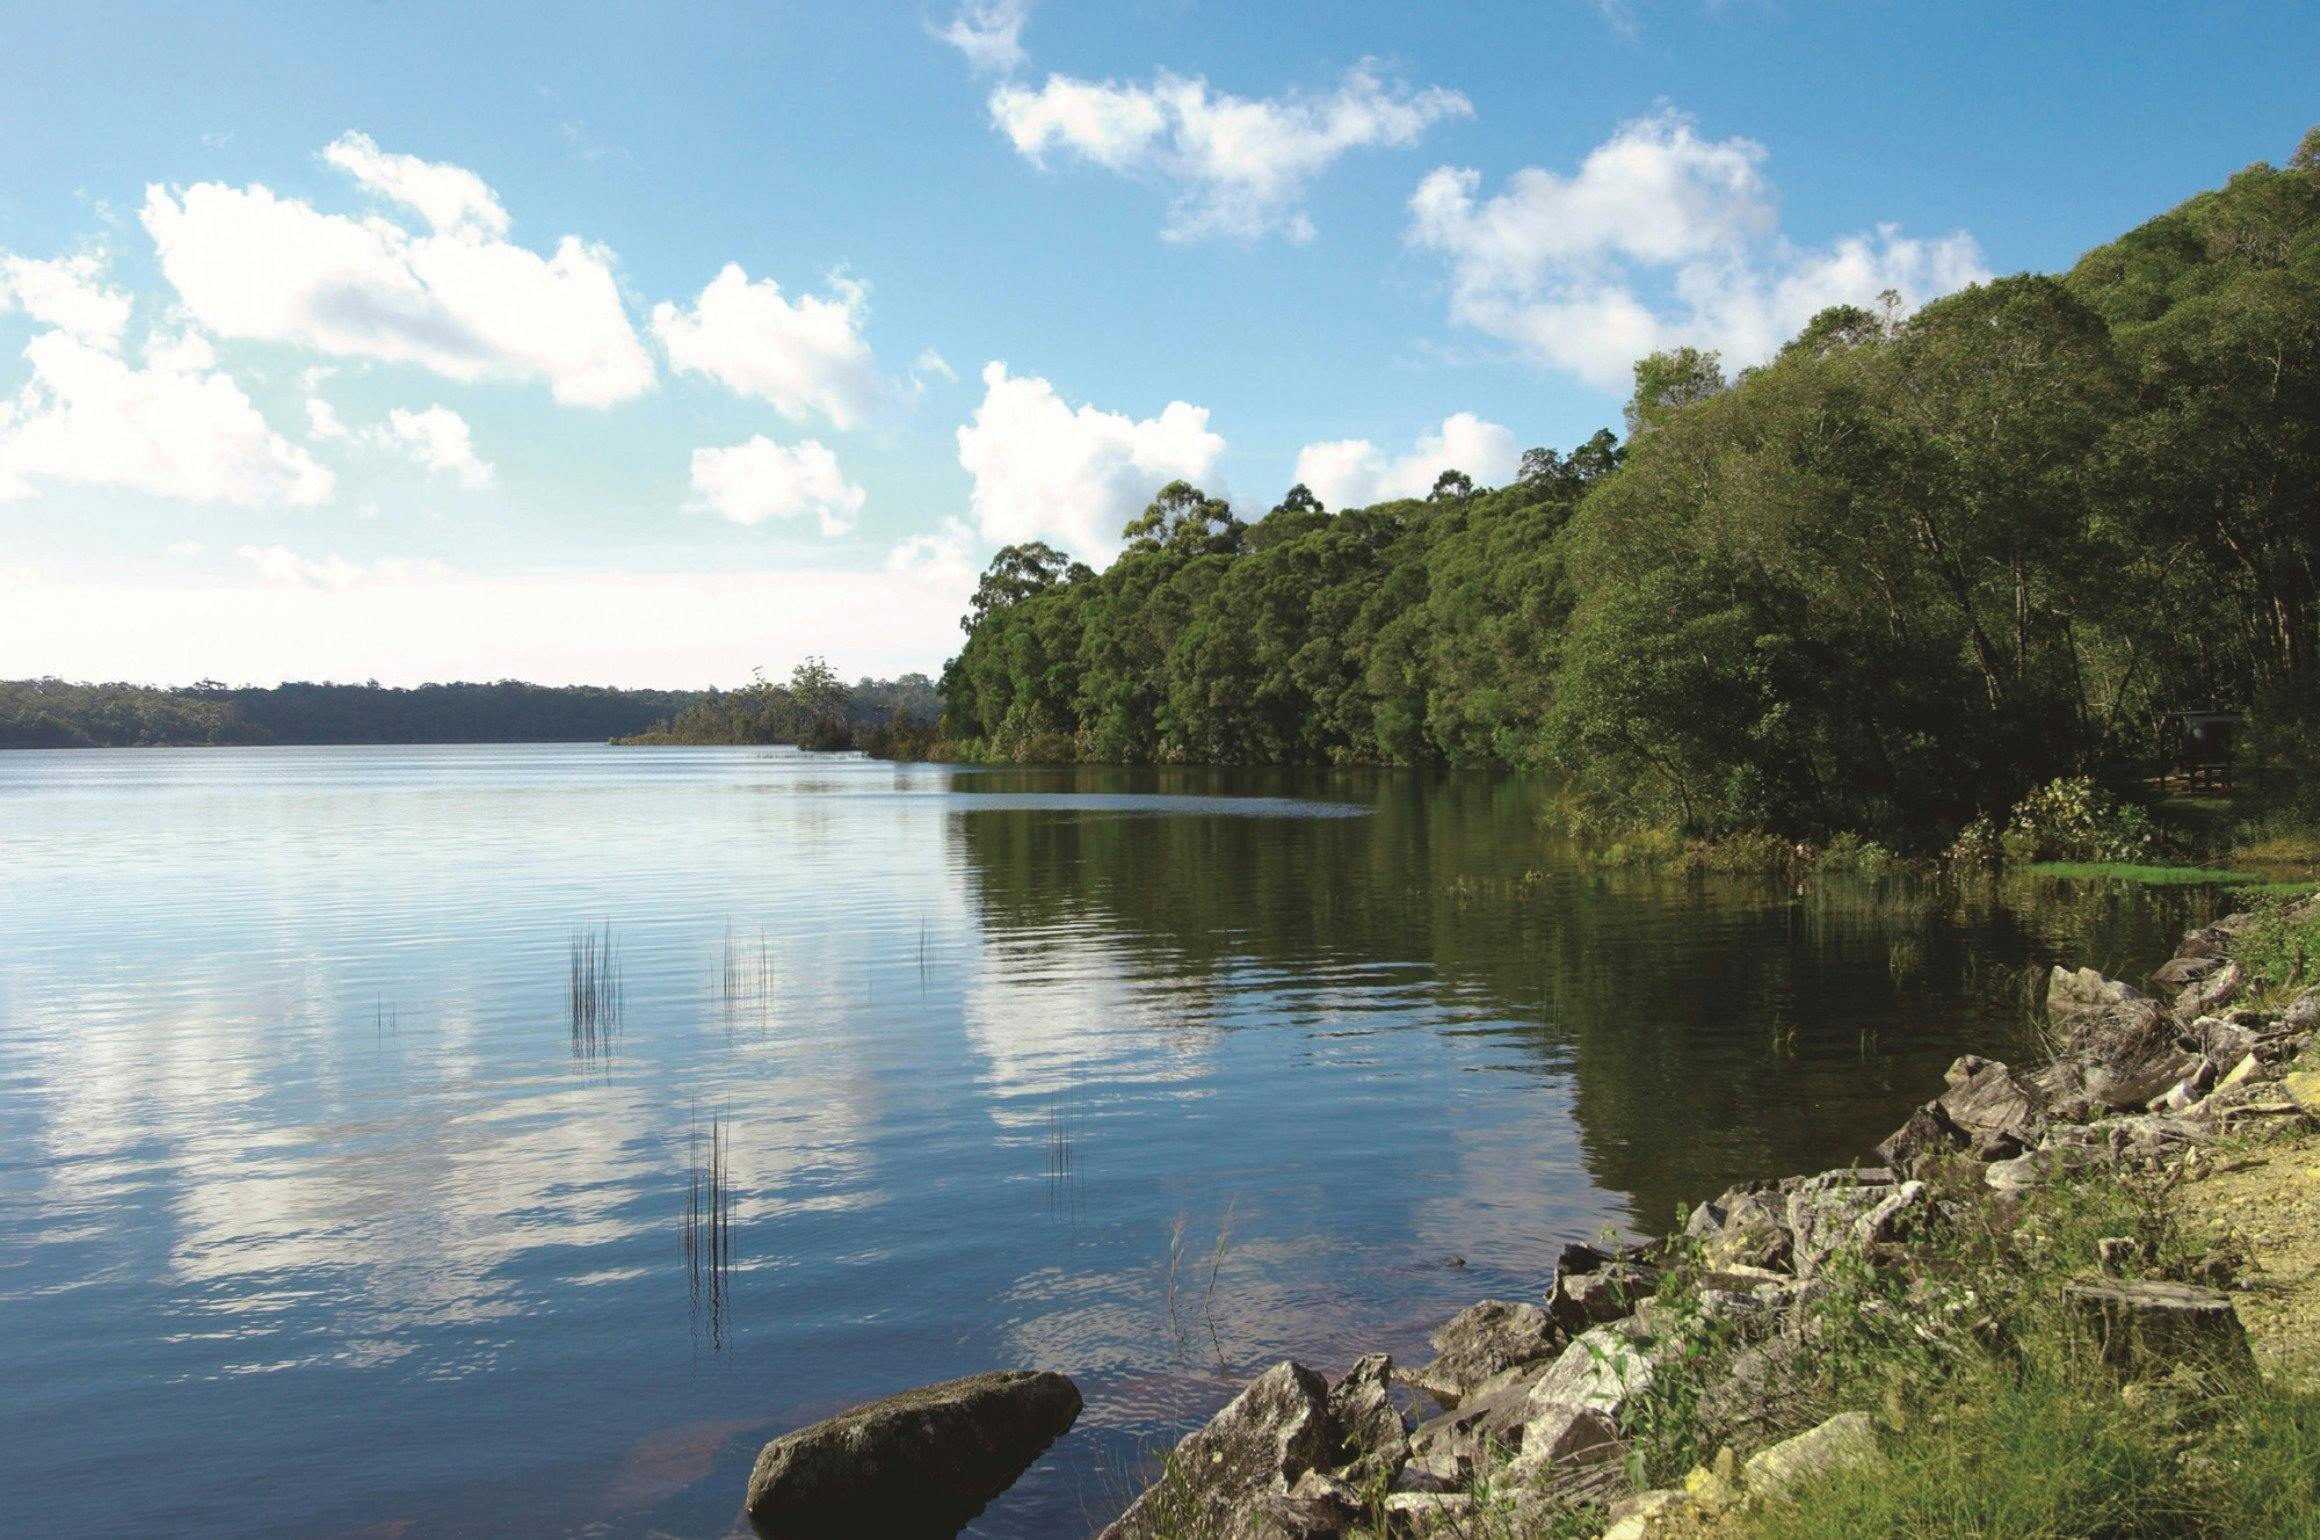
[[1851, 853], [890, 719], [2076, 819], [2129, 871], [1889, 582], [2279, 946], [52, 713]]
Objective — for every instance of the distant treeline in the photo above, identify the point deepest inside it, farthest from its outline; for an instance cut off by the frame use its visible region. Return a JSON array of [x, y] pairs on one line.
[[57, 714], [814, 708], [1901, 574]]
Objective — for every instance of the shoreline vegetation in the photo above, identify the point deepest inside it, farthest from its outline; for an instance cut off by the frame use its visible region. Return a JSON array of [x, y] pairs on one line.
[[2025, 1318]]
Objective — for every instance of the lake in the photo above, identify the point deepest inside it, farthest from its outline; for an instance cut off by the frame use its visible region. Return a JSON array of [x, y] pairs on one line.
[[343, 1191]]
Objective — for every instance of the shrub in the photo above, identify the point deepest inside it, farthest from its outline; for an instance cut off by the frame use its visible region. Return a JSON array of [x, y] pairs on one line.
[[2076, 819], [1849, 852]]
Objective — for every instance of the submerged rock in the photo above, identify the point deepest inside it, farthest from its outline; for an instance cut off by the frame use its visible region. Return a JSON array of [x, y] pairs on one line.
[[921, 1463], [1220, 1480]]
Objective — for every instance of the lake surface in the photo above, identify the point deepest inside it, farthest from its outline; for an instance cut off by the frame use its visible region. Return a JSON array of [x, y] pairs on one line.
[[325, 1210]]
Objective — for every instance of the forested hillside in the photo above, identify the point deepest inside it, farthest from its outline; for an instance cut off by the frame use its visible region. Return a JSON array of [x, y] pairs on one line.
[[1890, 580]]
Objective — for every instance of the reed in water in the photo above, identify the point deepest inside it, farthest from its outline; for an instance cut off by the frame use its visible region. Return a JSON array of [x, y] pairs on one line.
[[595, 991]]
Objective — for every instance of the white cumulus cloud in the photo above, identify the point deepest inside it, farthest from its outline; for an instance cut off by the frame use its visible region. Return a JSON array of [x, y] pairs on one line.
[[437, 438], [1237, 166], [461, 300], [1353, 473], [804, 356], [447, 197], [68, 293], [758, 480], [1046, 470], [322, 420], [175, 428], [989, 33], [1660, 238]]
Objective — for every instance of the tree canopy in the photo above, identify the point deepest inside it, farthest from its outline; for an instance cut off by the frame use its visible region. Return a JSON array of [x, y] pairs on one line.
[[1890, 579]]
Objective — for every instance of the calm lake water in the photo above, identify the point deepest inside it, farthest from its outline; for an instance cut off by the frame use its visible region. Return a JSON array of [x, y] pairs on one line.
[[322, 1214]]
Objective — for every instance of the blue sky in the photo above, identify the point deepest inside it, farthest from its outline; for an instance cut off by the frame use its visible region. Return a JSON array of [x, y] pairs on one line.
[[391, 340]]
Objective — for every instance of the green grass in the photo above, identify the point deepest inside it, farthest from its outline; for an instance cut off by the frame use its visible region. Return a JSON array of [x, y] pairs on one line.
[[2037, 1455], [2001, 1418], [2127, 871]]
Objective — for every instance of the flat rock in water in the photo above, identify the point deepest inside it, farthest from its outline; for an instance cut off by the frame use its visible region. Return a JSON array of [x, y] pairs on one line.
[[921, 1463]]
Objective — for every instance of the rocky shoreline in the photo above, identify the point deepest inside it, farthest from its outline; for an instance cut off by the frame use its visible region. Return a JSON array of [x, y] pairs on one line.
[[1533, 1404], [1530, 1417]]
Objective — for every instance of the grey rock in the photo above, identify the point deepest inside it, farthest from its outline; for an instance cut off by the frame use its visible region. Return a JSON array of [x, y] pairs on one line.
[[1845, 1442], [1930, 1134], [2039, 1166], [1835, 1210], [1592, 1287], [2303, 1012], [919, 1463], [2000, 1115], [1370, 1432], [2178, 971], [1481, 1341], [1746, 1227], [2125, 1054], [1218, 1479], [2204, 941], [2074, 992], [1572, 1415], [2154, 1326], [2211, 993]]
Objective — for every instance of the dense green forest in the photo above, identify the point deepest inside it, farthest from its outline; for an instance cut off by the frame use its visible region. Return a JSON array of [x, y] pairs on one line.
[[1891, 580], [57, 714], [891, 718]]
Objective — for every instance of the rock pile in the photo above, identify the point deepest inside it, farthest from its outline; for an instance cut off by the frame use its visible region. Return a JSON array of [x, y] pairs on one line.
[[1537, 1395]]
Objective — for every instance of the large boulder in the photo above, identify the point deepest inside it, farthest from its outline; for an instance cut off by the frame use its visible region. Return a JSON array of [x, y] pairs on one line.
[[1481, 1342], [1221, 1480], [919, 1463]]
